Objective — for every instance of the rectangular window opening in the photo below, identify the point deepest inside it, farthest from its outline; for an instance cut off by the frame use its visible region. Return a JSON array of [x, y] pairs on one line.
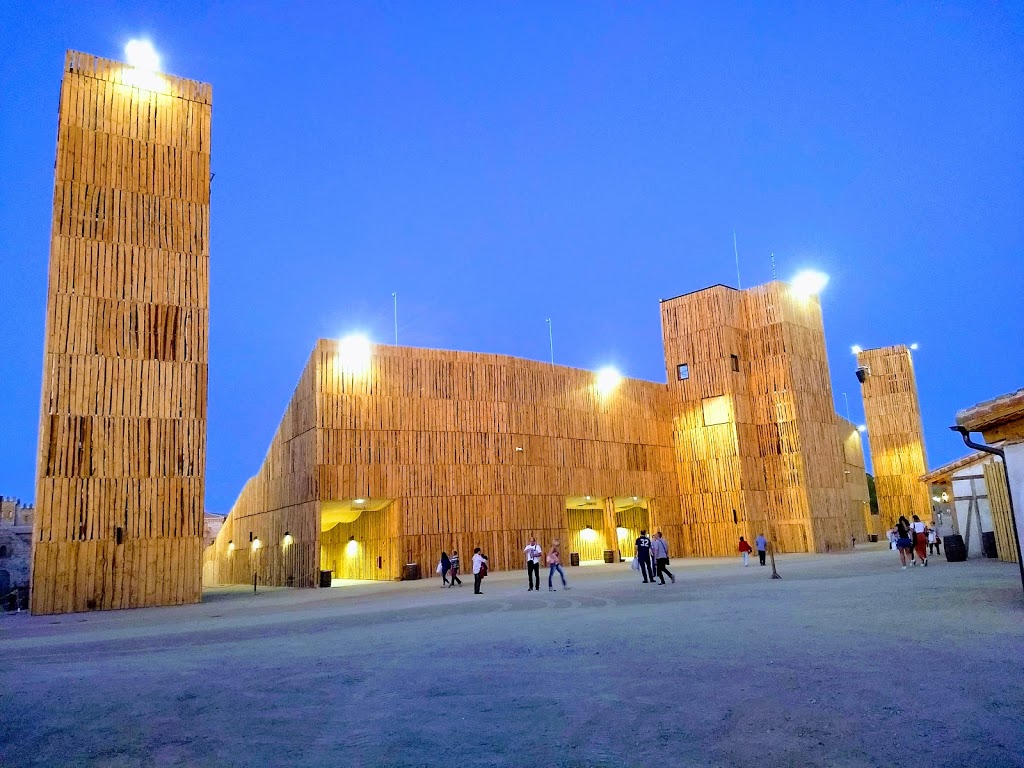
[[683, 371], [735, 360]]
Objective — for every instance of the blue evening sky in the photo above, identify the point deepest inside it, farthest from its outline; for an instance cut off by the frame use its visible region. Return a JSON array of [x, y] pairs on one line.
[[496, 164]]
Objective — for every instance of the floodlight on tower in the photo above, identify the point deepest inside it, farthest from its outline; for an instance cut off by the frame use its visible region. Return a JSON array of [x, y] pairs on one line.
[[856, 349], [914, 346], [607, 380], [808, 283], [862, 428], [143, 69], [354, 353]]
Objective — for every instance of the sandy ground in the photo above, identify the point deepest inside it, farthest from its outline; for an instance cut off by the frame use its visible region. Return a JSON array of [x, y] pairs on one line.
[[847, 661]]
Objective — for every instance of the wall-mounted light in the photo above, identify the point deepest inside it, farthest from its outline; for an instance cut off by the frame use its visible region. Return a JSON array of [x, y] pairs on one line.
[[587, 498], [518, 449], [914, 346], [256, 543], [287, 539], [622, 532], [636, 498], [809, 283], [856, 349], [359, 501], [354, 354], [862, 428], [607, 379], [231, 546], [588, 533], [352, 548], [945, 497]]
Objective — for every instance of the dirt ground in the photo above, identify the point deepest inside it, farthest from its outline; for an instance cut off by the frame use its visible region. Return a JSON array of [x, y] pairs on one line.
[[847, 661]]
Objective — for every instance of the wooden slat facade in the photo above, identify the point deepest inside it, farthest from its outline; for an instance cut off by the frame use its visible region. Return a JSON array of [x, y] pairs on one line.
[[893, 416], [999, 505], [455, 450], [858, 498], [122, 440], [755, 430]]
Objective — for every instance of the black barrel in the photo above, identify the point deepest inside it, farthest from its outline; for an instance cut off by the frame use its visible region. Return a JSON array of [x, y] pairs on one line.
[[325, 578], [411, 572], [574, 558], [872, 537], [609, 555], [956, 552], [988, 544]]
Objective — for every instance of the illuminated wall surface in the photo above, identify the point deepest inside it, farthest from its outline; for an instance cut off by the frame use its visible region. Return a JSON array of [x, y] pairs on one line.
[[123, 424], [896, 437], [413, 451]]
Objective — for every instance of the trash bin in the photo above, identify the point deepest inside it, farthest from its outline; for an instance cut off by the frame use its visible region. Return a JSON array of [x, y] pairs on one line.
[[609, 555], [574, 558], [325, 578], [872, 537], [411, 572], [956, 552], [988, 544]]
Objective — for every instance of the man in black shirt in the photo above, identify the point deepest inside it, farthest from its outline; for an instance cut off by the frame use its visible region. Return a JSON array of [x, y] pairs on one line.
[[643, 557]]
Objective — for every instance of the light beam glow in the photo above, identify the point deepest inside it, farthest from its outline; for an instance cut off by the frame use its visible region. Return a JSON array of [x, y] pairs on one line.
[[354, 354], [607, 380], [809, 283]]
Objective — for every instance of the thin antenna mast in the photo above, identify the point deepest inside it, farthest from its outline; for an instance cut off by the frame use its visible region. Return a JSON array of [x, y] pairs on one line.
[[736, 250], [551, 341], [773, 265], [847, 407], [395, 297]]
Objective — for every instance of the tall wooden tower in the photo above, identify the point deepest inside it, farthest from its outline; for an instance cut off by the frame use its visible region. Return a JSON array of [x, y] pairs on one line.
[[755, 431], [893, 415], [122, 439]]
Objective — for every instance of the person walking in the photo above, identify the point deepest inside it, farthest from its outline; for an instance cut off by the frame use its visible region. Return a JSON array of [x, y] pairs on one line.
[[920, 540], [903, 542], [762, 547], [533, 553], [933, 540], [643, 557], [555, 564], [455, 569], [444, 567], [904, 524], [659, 549], [479, 570], [745, 550]]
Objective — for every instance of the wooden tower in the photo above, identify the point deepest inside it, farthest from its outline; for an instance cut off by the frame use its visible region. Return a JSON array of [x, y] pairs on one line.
[[755, 431], [893, 416], [122, 439]]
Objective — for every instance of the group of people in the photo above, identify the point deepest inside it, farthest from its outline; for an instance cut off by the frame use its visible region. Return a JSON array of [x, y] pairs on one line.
[[914, 540], [449, 567], [762, 549], [651, 560]]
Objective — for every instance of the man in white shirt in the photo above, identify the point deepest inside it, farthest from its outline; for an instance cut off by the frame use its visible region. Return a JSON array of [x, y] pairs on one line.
[[479, 570], [533, 553]]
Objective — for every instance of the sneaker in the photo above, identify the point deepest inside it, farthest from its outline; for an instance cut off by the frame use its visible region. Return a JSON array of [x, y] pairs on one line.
[[673, 579], [925, 563], [552, 589], [904, 567], [566, 586]]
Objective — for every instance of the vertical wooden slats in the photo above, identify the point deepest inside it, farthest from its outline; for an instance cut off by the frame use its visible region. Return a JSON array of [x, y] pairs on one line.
[[122, 431], [896, 435]]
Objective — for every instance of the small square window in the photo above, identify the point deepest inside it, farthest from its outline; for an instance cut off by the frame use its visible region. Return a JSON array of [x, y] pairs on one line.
[[735, 360], [683, 371]]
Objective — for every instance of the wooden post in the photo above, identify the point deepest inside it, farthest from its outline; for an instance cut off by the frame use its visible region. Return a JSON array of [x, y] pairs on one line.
[[611, 534], [771, 555]]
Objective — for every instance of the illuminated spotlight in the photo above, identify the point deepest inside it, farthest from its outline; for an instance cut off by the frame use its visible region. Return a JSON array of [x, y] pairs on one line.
[[287, 539], [354, 352], [862, 428], [231, 546], [359, 501], [607, 380], [256, 543], [636, 498], [809, 283], [143, 66], [352, 548], [588, 534], [856, 349], [622, 532], [914, 346], [142, 55]]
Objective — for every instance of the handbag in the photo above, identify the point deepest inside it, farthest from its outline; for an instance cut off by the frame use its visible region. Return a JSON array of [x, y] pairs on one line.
[[635, 565], [439, 569]]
